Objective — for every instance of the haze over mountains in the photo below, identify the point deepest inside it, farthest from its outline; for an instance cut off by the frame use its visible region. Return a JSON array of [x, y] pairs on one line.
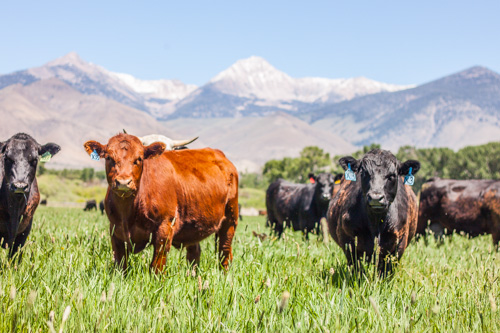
[[252, 111]]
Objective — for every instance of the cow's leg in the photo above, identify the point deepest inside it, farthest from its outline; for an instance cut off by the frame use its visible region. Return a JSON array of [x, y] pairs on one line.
[[193, 254], [162, 242], [21, 240], [278, 228], [120, 252], [226, 233]]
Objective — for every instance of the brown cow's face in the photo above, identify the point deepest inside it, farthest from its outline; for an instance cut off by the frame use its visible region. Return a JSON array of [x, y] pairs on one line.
[[124, 155]]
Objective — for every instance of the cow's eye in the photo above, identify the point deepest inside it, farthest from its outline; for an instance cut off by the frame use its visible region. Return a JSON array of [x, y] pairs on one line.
[[138, 161], [33, 161], [391, 176]]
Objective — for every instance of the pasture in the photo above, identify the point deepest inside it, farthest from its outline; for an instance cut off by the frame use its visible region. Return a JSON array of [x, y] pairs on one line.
[[68, 262]]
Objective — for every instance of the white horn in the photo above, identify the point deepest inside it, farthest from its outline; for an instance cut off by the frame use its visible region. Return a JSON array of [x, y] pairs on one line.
[[178, 143]]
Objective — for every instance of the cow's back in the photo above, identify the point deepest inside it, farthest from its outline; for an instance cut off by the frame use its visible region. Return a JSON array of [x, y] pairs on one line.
[[455, 205]]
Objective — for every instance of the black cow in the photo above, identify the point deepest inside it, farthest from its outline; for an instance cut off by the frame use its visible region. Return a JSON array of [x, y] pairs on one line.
[[101, 207], [470, 206], [19, 195], [90, 204], [301, 205], [376, 206]]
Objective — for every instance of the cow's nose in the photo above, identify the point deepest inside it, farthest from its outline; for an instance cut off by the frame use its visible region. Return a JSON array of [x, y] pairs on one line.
[[19, 187], [375, 198], [326, 196], [123, 183]]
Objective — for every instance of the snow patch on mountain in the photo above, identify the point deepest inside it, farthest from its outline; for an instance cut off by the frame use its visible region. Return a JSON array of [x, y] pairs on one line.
[[255, 78]]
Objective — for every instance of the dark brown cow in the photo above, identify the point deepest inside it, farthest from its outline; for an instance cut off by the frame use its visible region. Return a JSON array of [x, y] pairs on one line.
[[167, 198], [470, 206], [19, 195], [375, 206]]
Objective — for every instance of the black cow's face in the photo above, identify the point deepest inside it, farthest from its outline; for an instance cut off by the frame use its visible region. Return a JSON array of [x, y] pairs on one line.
[[379, 172], [20, 157], [324, 186]]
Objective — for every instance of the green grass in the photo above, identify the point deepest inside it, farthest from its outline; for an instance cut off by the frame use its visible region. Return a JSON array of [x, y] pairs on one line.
[[67, 262], [252, 197], [60, 190]]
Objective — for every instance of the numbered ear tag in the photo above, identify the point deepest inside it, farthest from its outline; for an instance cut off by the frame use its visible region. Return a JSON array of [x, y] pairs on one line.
[[349, 174], [94, 155], [409, 178], [45, 157]]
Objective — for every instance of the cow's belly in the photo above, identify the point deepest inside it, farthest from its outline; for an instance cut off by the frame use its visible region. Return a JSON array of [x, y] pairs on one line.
[[194, 232]]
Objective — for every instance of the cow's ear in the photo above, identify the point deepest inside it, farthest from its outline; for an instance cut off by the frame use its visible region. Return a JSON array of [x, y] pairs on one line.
[[50, 147], [405, 167], [92, 145], [311, 176], [346, 160], [338, 177], [154, 149]]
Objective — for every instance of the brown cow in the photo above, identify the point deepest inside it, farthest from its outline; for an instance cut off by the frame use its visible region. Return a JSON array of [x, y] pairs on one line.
[[470, 206], [167, 198]]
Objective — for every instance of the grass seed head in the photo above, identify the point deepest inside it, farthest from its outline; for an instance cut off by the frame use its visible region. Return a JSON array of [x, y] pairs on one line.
[[268, 283], [31, 298], [200, 285], [111, 291], [12, 294], [493, 304], [66, 313], [103, 296], [205, 285], [332, 271], [374, 306], [257, 299], [284, 300]]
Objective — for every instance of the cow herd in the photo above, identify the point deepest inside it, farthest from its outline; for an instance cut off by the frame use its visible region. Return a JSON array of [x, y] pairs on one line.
[[162, 194]]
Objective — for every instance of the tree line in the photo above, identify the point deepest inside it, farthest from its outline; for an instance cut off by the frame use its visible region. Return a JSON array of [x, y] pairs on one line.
[[472, 162]]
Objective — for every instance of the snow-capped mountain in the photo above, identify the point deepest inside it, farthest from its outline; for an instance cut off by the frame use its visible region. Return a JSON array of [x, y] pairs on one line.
[[155, 96], [256, 78], [252, 86], [455, 111]]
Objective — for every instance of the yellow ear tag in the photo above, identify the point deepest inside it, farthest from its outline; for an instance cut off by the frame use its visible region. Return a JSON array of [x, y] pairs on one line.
[[45, 157]]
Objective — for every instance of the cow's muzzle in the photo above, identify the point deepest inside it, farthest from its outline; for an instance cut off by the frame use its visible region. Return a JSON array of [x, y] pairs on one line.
[[123, 187], [377, 201], [326, 196], [19, 187]]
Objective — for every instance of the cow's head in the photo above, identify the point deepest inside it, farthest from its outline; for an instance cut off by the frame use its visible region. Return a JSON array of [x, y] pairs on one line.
[[20, 155], [379, 173], [324, 186], [124, 156]]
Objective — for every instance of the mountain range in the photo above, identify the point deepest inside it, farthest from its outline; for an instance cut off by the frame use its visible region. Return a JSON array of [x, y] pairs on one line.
[[252, 111]]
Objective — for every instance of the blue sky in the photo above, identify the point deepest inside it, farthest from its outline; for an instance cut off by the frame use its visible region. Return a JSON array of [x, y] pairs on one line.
[[402, 42]]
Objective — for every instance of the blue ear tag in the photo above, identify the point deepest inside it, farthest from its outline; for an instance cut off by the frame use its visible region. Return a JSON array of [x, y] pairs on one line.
[[349, 174], [94, 155], [409, 178], [45, 157]]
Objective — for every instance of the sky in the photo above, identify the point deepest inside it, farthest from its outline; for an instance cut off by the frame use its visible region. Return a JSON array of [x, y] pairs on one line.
[[399, 42]]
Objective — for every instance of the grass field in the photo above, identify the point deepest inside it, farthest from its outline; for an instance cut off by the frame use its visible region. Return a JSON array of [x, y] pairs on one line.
[[67, 263]]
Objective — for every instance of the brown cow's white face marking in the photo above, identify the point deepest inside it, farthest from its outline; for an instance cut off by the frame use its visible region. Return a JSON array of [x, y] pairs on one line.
[[124, 155]]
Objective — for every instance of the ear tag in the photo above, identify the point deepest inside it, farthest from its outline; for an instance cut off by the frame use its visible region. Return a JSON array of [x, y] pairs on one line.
[[349, 174], [46, 157], [94, 155], [409, 178]]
